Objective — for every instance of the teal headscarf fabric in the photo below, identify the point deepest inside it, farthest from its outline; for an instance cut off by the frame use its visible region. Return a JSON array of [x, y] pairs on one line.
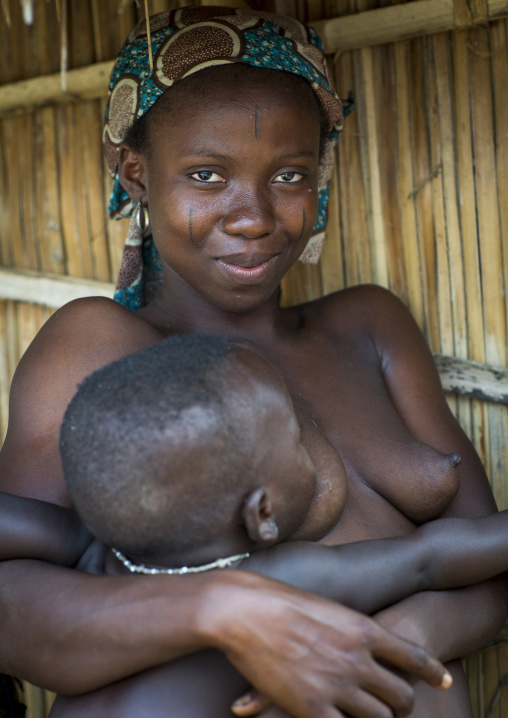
[[186, 41]]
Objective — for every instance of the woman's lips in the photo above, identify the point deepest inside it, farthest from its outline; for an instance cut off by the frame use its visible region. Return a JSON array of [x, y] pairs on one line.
[[246, 269]]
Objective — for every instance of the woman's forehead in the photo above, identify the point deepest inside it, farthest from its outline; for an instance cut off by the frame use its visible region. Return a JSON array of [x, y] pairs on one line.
[[220, 92]]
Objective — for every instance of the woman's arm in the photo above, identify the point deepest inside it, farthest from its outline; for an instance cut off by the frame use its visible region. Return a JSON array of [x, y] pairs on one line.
[[414, 386], [74, 632]]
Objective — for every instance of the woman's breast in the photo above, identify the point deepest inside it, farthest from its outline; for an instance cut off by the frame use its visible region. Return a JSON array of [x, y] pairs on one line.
[[374, 479]]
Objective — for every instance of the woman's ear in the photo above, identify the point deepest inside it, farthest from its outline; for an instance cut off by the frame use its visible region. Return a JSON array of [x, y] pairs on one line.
[[132, 173], [258, 517]]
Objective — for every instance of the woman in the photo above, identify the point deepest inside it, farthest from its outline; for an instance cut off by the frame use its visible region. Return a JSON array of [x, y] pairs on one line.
[[229, 163]]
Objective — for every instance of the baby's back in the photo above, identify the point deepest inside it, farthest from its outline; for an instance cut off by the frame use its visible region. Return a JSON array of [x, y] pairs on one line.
[[203, 685]]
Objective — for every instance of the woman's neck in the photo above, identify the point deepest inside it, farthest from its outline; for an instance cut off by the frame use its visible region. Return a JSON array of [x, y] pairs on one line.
[[178, 308]]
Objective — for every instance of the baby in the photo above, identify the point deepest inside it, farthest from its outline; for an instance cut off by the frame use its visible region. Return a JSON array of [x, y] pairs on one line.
[[186, 457]]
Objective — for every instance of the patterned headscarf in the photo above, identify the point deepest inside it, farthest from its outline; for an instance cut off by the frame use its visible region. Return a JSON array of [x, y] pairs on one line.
[[183, 42]]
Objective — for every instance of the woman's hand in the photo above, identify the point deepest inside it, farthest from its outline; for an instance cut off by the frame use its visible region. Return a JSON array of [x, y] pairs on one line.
[[311, 657]]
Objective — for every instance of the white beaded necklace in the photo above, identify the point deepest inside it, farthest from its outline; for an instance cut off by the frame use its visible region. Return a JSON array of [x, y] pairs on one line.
[[141, 568]]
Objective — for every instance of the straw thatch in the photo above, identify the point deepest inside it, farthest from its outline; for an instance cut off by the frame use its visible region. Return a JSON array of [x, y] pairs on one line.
[[419, 201]]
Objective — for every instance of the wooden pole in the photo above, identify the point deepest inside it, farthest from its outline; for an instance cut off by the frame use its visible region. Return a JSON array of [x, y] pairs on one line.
[[405, 21], [49, 290], [88, 82]]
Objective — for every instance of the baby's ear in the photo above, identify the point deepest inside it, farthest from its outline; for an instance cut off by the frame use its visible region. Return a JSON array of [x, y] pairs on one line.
[[258, 517]]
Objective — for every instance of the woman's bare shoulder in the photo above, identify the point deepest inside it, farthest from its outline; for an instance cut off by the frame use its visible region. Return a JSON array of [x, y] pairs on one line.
[[362, 308], [78, 339], [92, 332]]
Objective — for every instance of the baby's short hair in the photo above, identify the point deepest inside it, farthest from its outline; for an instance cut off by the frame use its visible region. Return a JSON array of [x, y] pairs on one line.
[[153, 456]]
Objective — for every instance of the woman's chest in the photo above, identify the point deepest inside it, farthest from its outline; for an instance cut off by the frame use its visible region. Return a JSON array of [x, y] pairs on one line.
[[374, 479]]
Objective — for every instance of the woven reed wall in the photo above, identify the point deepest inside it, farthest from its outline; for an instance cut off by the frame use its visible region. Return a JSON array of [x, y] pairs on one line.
[[419, 201]]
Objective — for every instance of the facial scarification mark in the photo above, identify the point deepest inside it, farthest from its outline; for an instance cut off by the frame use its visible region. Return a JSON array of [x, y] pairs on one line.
[[191, 220], [256, 122], [303, 225]]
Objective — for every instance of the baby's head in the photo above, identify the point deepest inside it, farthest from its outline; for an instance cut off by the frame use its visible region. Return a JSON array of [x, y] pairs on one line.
[[186, 451]]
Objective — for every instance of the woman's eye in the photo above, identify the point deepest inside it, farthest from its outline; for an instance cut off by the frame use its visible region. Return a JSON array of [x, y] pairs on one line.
[[289, 177], [207, 176]]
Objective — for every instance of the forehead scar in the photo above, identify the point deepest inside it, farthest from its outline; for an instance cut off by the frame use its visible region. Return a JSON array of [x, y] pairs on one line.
[[191, 219], [303, 225], [256, 122]]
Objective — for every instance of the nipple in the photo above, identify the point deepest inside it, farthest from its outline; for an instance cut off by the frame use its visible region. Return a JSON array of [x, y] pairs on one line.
[[454, 459]]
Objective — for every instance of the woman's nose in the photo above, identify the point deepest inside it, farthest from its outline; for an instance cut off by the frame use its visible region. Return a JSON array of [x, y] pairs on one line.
[[249, 214]]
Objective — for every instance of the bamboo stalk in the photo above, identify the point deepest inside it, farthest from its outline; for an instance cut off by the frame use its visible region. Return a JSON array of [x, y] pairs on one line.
[[5, 377], [7, 13], [401, 22], [26, 190], [84, 265], [386, 132], [448, 160], [331, 265], [423, 174], [499, 42], [370, 164], [64, 55], [487, 199], [85, 83], [14, 146], [354, 235], [5, 229], [405, 184], [50, 290], [441, 253], [48, 218], [466, 198], [92, 165], [67, 175]]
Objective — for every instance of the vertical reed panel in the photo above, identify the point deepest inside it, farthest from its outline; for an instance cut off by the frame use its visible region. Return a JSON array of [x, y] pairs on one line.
[[441, 269], [405, 185], [331, 266], [48, 224], [422, 190], [355, 236], [95, 210]]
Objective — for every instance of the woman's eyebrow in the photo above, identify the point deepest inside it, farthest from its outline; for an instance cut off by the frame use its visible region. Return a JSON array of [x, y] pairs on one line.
[[303, 153], [204, 152]]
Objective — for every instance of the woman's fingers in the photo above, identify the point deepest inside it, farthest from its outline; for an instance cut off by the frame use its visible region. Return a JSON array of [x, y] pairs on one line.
[[409, 658], [313, 658], [250, 704]]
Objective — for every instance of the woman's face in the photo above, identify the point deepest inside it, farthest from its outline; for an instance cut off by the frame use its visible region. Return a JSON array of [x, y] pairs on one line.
[[230, 178]]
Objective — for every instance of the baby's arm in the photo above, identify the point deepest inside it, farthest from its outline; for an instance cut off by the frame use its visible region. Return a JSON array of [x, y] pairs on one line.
[[37, 529], [370, 575]]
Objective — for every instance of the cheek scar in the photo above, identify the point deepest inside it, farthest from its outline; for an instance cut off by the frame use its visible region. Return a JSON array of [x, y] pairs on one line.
[[303, 225], [191, 219], [256, 122]]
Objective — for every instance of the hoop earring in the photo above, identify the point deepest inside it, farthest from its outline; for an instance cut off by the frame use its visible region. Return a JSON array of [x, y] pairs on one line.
[[142, 218]]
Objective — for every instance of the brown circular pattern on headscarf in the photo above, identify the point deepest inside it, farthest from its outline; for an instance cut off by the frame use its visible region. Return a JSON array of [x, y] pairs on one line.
[[290, 27], [157, 22], [333, 109], [190, 15], [193, 46], [122, 111], [123, 106]]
